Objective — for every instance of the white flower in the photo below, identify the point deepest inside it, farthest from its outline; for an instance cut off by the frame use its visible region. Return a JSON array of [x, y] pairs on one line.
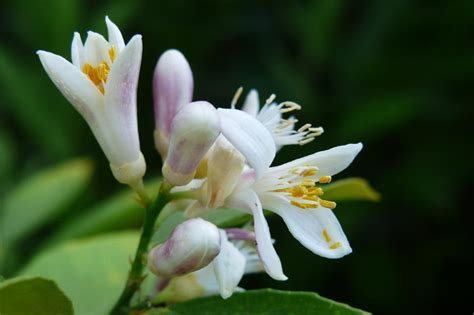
[[101, 83], [271, 116], [293, 191], [191, 246], [196, 127]]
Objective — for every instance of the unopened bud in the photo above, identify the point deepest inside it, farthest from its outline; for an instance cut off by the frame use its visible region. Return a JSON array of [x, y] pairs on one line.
[[191, 246], [194, 130], [172, 89]]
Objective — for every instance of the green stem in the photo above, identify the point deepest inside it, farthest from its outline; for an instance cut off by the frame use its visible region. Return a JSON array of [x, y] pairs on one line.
[[135, 276]]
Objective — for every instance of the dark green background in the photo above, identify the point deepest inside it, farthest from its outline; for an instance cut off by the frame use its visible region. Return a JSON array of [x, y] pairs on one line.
[[396, 75]]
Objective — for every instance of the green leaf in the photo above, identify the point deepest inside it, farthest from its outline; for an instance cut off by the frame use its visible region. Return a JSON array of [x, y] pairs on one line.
[[118, 212], [20, 296], [43, 113], [42, 197], [266, 301], [353, 188], [91, 272]]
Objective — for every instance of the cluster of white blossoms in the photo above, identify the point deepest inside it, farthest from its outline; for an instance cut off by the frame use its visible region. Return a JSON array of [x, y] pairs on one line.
[[219, 158]]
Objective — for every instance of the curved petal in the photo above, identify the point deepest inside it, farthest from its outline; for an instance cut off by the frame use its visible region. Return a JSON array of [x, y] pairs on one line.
[[317, 229], [121, 103], [115, 36], [250, 137], [251, 104], [77, 51], [73, 84], [329, 162], [248, 201], [225, 164], [96, 49], [229, 267]]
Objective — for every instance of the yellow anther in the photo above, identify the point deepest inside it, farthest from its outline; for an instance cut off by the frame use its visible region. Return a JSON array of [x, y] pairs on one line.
[[299, 191], [335, 245], [315, 191], [325, 179], [112, 53], [97, 75], [309, 172], [303, 205], [270, 99], [326, 236], [327, 204]]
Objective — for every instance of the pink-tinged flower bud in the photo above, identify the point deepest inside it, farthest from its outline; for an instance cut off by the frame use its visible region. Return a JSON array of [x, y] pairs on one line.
[[195, 128], [172, 89], [191, 246]]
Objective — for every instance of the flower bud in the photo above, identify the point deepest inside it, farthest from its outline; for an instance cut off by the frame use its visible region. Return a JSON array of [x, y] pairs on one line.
[[195, 128], [191, 246], [172, 89]]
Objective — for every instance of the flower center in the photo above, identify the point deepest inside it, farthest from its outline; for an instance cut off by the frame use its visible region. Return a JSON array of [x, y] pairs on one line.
[[98, 75], [302, 189]]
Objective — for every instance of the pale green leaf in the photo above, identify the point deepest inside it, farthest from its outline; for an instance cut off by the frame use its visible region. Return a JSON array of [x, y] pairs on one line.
[[38, 296], [42, 197], [266, 301], [121, 211], [353, 188], [91, 272]]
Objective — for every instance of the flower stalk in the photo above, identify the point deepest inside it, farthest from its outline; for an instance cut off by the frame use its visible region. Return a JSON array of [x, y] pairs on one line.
[[135, 276]]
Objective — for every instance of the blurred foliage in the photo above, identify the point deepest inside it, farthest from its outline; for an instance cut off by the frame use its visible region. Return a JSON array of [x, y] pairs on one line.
[[396, 75], [39, 296]]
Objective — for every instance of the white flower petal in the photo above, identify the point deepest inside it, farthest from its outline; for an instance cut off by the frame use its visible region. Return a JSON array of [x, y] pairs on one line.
[[248, 201], [228, 266], [115, 36], [329, 162], [225, 164], [73, 84], [121, 102], [96, 49], [250, 137], [77, 51], [251, 104], [315, 228]]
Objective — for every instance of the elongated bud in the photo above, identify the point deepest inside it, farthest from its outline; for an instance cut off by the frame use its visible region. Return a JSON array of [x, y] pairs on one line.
[[194, 130], [172, 89], [192, 246]]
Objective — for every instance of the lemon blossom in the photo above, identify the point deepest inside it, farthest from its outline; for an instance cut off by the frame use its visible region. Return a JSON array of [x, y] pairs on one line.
[[293, 191], [271, 116], [237, 257], [194, 131], [101, 84], [185, 131]]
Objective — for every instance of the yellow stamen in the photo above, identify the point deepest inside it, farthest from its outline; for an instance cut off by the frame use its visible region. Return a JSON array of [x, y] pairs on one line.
[[303, 205], [309, 172], [325, 179], [335, 245], [98, 75], [327, 204], [112, 53], [326, 236]]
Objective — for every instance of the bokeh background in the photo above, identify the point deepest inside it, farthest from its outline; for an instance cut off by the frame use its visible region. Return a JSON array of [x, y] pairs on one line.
[[396, 75]]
